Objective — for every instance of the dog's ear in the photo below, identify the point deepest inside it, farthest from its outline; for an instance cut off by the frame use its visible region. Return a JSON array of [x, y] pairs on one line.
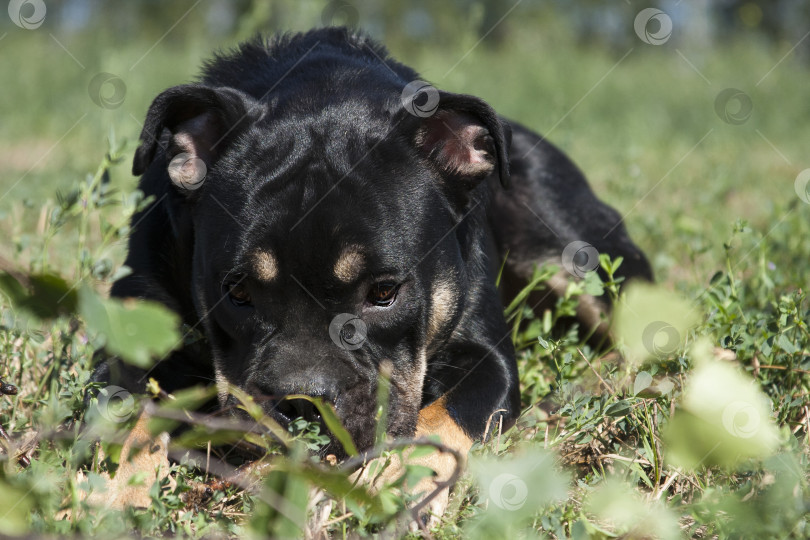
[[465, 138], [199, 122]]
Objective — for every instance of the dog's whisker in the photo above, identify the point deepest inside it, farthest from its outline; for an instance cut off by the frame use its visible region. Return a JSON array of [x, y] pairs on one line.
[[443, 365]]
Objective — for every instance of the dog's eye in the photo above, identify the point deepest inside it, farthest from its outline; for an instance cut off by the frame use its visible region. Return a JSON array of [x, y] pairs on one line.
[[237, 293], [383, 294]]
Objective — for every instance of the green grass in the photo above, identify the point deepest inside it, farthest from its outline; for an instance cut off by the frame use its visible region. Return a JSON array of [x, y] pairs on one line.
[[600, 453]]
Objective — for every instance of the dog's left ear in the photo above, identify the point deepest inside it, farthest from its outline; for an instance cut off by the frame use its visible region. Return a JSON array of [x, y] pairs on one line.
[[466, 140], [199, 121]]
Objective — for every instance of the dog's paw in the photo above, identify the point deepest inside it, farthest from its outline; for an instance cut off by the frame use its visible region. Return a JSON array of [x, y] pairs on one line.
[[433, 492], [429, 495], [431, 514]]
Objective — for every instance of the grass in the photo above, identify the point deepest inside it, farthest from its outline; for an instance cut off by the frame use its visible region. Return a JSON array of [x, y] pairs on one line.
[[704, 436]]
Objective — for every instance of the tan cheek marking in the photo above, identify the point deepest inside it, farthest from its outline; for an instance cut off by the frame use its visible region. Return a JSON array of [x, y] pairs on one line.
[[349, 264], [442, 309], [222, 387], [411, 381], [418, 378], [265, 265]]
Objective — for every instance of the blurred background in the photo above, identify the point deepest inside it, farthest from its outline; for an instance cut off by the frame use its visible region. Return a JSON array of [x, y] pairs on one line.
[[686, 116]]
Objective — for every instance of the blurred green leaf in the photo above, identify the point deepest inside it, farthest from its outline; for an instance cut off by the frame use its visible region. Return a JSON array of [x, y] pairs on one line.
[[515, 488], [593, 284], [652, 322], [541, 275], [620, 408], [339, 485], [422, 450], [283, 508], [415, 473], [189, 399], [15, 509], [621, 511], [642, 382], [138, 331], [249, 405], [47, 296], [786, 345], [723, 418]]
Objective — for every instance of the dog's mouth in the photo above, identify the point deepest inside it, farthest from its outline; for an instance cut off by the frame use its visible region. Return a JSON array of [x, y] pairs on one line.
[[305, 420], [308, 423]]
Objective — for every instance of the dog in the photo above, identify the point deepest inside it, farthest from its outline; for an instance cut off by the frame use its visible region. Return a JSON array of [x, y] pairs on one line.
[[320, 216]]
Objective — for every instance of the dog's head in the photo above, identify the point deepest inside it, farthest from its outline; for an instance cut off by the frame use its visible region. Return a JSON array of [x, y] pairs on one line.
[[329, 238]]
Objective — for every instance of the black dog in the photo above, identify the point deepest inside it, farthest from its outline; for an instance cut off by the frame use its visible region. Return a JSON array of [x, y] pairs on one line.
[[319, 214]]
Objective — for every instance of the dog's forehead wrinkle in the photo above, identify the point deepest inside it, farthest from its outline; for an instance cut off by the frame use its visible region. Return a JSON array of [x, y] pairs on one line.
[[305, 136], [341, 101], [290, 192]]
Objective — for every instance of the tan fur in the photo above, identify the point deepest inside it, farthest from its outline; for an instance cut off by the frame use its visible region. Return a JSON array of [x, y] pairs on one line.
[[151, 461], [433, 420], [349, 264], [442, 309], [265, 265], [144, 460], [222, 387], [411, 382], [418, 382]]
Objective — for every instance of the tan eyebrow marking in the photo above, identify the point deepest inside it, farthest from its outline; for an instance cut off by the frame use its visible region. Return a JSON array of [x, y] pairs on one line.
[[349, 264], [265, 265]]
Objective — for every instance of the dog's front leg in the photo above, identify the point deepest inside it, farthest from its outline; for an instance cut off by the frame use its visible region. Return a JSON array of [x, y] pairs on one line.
[[436, 427], [435, 421], [484, 396]]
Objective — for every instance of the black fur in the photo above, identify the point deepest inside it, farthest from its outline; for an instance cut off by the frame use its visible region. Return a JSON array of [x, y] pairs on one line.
[[309, 151]]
